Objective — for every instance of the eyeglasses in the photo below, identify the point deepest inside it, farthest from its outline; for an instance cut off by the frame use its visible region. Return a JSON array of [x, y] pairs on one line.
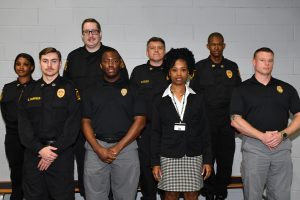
[[92, 31]]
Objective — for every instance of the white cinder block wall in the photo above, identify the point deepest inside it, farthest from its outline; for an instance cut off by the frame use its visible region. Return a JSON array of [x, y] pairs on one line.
[[31, 25]]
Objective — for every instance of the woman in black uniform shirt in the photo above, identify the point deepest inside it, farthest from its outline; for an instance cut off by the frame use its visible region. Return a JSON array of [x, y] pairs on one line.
[[11, 93], [180, 143]]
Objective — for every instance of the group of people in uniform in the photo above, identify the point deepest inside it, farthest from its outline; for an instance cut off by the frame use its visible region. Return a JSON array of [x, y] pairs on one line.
[[164, 128]]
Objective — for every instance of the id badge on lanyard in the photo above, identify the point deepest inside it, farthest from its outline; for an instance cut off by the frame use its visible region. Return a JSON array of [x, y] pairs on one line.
[[179, 126]]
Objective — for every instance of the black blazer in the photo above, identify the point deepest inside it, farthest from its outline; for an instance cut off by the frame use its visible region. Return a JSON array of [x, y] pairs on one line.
[[167, 142]]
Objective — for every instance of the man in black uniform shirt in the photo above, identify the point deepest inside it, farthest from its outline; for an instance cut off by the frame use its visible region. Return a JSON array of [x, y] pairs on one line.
[[150, 80], [113, 116], [49, 121], [10, 97], [82, 67], [216, 77]]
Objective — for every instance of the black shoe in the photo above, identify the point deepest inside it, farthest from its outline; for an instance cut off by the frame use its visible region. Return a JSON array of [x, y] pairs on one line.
[[209, 197], [220, 197]]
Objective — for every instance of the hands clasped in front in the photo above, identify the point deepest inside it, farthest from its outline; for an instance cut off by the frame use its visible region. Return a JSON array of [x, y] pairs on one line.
[[108, 155], [271, 139], [47, 157]]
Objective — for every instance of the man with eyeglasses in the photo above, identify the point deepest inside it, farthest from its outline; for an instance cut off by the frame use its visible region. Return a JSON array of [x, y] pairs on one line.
[[82, 67], [216, 77]]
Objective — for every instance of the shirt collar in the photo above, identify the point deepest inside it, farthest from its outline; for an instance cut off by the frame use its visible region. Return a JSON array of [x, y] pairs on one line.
[[154, 67], [254, 80], [168, 92], [53, 83]]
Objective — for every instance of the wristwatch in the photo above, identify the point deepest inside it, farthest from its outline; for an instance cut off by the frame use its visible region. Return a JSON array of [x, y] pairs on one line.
[[284, 135]]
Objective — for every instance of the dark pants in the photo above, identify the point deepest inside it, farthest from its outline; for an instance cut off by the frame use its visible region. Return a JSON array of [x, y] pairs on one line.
[[147, 182], [223, 147], [15, 156], [56, 183], [79, 152]]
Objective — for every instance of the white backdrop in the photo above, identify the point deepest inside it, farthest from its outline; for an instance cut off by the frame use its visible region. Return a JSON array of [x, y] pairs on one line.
[[31, 25]]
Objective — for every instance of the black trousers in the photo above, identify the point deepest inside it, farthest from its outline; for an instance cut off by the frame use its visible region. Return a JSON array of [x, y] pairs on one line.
[[147, 183], [223, 147], [15, 156], [56, 183], [79, 152]]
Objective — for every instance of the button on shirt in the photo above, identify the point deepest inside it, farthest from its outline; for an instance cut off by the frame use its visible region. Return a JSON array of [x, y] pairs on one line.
[[49, 112], [112, 107]]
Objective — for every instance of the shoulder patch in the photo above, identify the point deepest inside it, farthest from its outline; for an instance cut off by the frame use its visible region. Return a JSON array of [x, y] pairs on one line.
[[1, 96], [66, 66], [77, 95]]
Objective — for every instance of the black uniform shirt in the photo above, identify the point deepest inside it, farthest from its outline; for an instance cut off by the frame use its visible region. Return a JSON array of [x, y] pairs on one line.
[[83, 67], [149, 82], [49, 112], [216, 81], [112, 107], [265, 107], [10, 97]]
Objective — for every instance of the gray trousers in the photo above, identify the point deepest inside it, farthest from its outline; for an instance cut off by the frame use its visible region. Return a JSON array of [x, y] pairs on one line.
[[122, 175], [270, 169]]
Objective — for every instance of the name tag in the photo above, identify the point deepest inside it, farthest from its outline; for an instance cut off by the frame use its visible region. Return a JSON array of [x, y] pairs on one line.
[[179, 127]]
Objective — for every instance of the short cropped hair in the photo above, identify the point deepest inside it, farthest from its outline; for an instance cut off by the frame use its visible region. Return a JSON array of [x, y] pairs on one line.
[[215, 34], [179, 54], [110, 49], [50, 50], [90, 20], [156, 39], [263, 49], [28, 57]]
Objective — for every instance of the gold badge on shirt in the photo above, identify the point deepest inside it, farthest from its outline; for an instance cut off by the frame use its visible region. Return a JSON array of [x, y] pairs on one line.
[[60, 93], [279, 89], [229, 73], [123, 91]]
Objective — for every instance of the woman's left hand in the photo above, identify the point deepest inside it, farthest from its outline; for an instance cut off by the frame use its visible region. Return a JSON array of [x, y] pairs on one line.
[[206, 171]]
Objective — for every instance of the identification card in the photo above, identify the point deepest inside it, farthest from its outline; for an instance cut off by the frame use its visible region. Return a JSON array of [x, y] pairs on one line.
[[179, 127]]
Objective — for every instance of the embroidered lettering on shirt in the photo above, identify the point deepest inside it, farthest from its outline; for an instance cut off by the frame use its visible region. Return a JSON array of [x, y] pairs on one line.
[[145, 81], [34, 99]]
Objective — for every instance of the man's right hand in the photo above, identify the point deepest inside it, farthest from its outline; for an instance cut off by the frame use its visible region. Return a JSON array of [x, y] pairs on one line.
[[48, 154], [105, 155]]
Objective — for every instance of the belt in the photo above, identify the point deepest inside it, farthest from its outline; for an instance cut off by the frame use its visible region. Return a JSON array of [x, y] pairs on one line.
[[108, 139], [48, 142]]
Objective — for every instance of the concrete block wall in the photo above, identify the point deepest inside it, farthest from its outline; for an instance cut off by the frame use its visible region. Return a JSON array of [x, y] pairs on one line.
[[31, 25]]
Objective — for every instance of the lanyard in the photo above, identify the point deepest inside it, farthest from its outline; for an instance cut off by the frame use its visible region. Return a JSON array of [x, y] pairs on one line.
[[174, 101]]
